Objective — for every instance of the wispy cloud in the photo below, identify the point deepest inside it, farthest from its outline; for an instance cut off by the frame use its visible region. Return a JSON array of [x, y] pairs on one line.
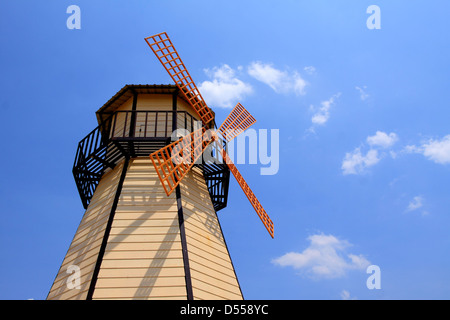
[[435, 150], [382, 139], [362, 93], [356, 162], [225, 89], [310, 69], [326, 257], [321, 114], [280, 81], [416, 203], [345, 295]]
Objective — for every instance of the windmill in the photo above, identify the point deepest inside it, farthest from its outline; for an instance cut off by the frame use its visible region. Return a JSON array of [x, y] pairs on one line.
[[150, 229], [237, 122]]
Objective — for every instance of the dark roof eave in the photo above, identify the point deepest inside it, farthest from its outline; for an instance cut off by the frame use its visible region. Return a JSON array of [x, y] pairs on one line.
[[127, 92]]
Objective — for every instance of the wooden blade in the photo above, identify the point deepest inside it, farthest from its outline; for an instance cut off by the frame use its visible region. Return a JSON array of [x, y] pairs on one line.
[[249, 193], [174, 160], [237, 122], [164, 50]]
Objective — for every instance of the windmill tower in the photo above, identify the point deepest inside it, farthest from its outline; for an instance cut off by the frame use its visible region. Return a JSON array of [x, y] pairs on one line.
[[150, 229]]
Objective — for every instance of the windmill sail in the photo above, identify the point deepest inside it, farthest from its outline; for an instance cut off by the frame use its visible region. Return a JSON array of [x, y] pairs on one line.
[[174, 161], [237, 122], [164, 50], [250, 195]]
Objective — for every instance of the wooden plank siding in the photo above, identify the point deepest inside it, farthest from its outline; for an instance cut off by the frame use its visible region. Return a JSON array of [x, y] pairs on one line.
[[143, 257], [154, 102], [85, 246], [212, 272]]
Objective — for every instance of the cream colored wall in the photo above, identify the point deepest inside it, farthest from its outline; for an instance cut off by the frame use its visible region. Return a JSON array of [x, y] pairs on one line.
[[143, 258], [212, 272], [163, 121], [117, 127], [154, 102], [83, 250]]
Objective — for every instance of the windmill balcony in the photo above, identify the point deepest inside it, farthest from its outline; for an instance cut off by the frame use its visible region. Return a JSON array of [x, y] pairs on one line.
[[137, 133]]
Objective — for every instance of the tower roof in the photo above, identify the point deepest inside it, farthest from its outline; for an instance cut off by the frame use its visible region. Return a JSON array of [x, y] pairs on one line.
[[127, 92]]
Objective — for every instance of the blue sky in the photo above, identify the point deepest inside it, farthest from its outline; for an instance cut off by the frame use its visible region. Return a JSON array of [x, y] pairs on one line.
[[363, 120]]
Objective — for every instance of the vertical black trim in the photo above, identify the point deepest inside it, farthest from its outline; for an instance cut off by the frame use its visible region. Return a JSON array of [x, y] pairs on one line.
[[187, 269], [229, 255], [174, 113], [101, 252], [133, 115], [174, 109], [132, 131]]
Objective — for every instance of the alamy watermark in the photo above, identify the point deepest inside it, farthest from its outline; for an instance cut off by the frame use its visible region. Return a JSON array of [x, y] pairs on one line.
[[374, 20], [74, 280], [249, 147], [374, 280], [74, 20]]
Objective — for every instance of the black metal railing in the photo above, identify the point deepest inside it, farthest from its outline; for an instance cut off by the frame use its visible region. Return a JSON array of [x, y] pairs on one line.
[[132, 134], [149, 124]]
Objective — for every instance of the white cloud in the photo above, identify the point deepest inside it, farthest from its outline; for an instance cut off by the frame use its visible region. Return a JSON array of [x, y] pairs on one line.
[[323, 113], [345, 295], [382, 139], [279, 81], [355, 163], [435, 150], [225, 89], [310, 69], [299, 84], [412, 149], [325, 257], [362, 94], [321, 117], [438, 151], [416, 203]]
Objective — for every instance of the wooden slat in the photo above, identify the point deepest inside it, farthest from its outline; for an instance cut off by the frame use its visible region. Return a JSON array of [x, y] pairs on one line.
[[85, 245], [164, 50], [249, 193], [184, 152], [237, 122]]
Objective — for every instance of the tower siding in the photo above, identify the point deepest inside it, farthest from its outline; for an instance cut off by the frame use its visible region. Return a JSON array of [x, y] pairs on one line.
[[143, 257], [212, 272], [85, 246]]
